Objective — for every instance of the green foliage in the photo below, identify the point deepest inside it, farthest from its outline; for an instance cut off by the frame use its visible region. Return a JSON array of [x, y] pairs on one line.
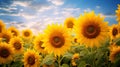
[[65, 65], [16, 64], [91, 57], [82, 64], [48, 60]]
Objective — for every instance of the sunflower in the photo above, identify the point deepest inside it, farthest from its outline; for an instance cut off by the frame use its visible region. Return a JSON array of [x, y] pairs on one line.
[[38, 43], [112, 45], [73, 63], [74, 39], [75, 56], [119, 27], [114, 52], [6, 53], [91, 30], [118, 13], [14, 31], [114, 31], [69, 22], [2, 26], [57, 39], [6, 36], [27, 34], [31, 58], [17, 44]]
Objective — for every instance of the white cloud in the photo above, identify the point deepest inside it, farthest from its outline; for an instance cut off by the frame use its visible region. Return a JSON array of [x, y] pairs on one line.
[[107, 16], [97, 7], [71, 9], [40, 20], [45, 8], [27, 16], [39, 17], [21, 3], [9, 9], [110, 16], [87, 10], [8, 14], [57, 2]]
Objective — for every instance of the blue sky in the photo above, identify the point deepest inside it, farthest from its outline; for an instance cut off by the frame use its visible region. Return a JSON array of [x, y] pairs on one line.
[[36, 14]]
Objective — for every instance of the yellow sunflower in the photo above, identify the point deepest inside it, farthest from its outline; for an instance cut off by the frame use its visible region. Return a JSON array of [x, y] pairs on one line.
[[74, 39], [6, 36], [57, 39], [31, 58], [114, 52], [2, 26], [73, 63], [112, 46], [69, 22], [91, 30], [38, 43], [27, 34], [75, 56], [118, 13], [14, 31], [17, 44], [119, 27], [114, 31], [6, 53]]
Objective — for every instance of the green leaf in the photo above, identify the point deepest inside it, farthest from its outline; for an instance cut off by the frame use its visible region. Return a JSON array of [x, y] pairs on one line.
[[77, 48], [68, 55], [48, 60], [16, 64], [65, 65], [67, 58], [83, 52], [82, 64], [117, 41]]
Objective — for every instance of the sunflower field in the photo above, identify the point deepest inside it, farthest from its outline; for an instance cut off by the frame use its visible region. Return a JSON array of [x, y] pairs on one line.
[[86, 41]]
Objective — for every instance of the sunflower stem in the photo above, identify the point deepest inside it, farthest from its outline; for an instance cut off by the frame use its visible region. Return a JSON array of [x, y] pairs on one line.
[[59, 61], [91, 50], [93, 62]]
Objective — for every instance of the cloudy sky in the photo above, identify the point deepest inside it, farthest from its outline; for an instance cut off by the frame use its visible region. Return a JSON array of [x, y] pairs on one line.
[[36, 14]]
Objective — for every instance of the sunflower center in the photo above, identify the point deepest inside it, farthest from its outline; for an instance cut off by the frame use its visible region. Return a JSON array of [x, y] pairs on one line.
[[114, 31], [57, 41], [27, 34], [91, 31], [4, 53], [40, 43], [14, 32], [70, 25], [17, 45], [31, 60]]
